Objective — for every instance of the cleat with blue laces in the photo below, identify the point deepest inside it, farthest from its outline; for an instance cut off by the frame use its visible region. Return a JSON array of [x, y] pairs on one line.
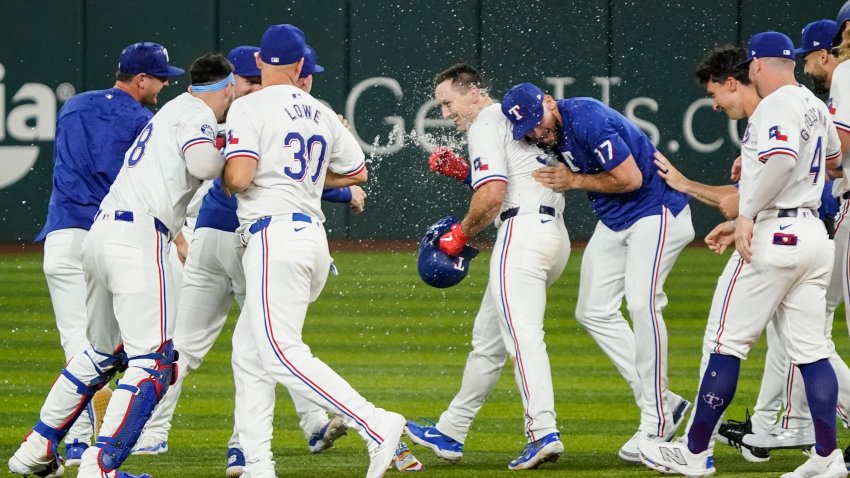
[[544, 450]]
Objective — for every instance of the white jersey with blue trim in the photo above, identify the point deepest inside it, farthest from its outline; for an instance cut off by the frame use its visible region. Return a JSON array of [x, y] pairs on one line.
[[295, 139], [495, 156], [839, 108], [794, 122], [154, 179]]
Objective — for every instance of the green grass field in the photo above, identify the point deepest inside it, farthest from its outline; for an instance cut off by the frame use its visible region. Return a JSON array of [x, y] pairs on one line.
[[403, 345]]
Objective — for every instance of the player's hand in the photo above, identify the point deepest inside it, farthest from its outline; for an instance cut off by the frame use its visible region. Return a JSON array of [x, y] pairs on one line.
[[735, 173], [358, 199], [448, 163], [182, 247], [721, 237], [744, 237], [728, 206], [557, 177], [453, 241], [670, 174], [343, 121]]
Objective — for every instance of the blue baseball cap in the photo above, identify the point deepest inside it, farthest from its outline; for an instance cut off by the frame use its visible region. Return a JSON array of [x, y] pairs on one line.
[[817, 36], [768, 45], [523, 106], [244, 61], [282, 45], [147, 57], [840, 21], [310, 66]]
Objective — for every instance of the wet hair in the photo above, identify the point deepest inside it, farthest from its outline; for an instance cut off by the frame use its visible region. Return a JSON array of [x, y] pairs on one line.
[[842, 51], [463, 75], [209, 68], [721, 63]]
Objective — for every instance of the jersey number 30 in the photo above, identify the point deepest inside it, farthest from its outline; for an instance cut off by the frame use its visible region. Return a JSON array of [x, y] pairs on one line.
[[304, 153]]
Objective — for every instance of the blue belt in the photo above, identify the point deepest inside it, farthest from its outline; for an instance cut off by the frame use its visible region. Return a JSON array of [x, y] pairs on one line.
[[509, 213], [264, 222], [127, 216]]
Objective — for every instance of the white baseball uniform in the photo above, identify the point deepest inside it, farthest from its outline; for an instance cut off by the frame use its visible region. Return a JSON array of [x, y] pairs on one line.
[[531, 250], [295, 140]]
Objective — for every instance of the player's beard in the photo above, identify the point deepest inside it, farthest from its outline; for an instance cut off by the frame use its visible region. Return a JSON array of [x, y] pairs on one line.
[[819, 82]]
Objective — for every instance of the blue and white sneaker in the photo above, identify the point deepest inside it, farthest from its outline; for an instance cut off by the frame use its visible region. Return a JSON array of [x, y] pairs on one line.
[[235, 463], [150, 446], [428, 436], [327, 435], [74, 452], [546, 449]]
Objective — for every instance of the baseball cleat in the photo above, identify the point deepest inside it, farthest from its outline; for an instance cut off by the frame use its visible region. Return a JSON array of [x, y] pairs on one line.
[[675, 457], [732, 432], [37, 456], [52, 469], [325, 437], [381, 456], [630, 451], [148, 445], [779, 438], [544, 450], [831, 466], [404, 460], [680, 411], [235, 463], [74, 452], [428, 436], [847, 457]]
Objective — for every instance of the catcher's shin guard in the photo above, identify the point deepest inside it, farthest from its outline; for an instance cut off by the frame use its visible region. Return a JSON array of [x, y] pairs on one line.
[[85, 374], [142, 387]]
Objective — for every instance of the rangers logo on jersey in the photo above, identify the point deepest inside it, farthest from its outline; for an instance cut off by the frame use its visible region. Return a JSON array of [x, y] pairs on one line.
[[480, 164], [778, 133]]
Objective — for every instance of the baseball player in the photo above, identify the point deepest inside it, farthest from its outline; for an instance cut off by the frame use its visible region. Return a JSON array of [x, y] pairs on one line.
[[531, 250], [129, 306], [783, 264], [643, 225], [93, 132], [214, 277], [278, 164]]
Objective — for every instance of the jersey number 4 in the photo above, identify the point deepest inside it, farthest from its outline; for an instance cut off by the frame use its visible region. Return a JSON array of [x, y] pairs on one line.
[[139, 149], [304, 153], [814, 170]]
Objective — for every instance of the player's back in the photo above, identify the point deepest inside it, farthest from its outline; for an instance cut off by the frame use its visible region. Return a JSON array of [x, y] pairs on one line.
[[93, 131], [794, 122], [490, 137], [154, 179], [295, 139]]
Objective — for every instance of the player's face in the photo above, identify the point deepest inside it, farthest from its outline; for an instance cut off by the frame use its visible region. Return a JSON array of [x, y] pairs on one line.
[[305, 84], [457, 105], [246, 86], [813, 68], [548, 131], [725, 97], [150, 86]]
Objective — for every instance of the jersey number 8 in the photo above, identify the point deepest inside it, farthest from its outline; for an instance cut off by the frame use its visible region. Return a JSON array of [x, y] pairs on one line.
[[304, 152], [141, 143]]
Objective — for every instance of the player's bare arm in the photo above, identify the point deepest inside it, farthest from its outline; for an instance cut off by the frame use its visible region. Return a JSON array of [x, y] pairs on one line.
[[358, 199], [239, 172], [729, 205], [623, 179], [711, 195], [333, 180], [484, 207]]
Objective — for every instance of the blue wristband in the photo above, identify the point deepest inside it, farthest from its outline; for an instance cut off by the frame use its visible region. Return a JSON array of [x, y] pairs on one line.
[[340, 195]]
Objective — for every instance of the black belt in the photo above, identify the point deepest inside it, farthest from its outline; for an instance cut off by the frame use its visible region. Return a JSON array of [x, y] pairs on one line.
[[791, 213], [846, 195], [509, 213]]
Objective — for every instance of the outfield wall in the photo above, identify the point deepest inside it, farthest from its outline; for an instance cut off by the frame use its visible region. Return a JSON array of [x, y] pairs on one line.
[[380, 56]]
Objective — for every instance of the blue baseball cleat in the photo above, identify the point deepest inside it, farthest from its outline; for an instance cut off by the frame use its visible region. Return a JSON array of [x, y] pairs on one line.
[[124, 474], [235, 463], [74, 452], [150, 446], [546, 449], [325, 438], [428, 436]]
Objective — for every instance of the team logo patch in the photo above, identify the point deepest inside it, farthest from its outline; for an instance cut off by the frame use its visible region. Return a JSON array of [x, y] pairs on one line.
[[517, 114], [778, 133], [233, 137], [713, 400], [746, 137], [208, 131], [832, 105], [480, 164]]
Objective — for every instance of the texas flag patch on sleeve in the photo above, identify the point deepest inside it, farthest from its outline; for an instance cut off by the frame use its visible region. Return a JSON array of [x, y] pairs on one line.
[[480, 164], [233, 137], [778, 133]]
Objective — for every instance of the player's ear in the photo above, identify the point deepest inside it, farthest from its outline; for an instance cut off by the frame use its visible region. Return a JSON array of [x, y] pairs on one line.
[[732, 84]]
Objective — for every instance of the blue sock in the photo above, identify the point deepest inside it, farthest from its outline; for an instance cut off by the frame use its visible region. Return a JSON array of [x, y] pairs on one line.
[[822, 394], [715, 393]]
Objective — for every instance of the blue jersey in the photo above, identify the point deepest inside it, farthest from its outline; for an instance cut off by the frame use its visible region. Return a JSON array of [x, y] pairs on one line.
[[596, 139], [219, 211], [93, 132]]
